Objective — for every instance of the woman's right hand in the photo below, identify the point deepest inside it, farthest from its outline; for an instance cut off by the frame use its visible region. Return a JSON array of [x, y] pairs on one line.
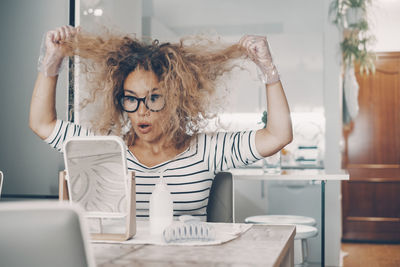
[[53, 49]]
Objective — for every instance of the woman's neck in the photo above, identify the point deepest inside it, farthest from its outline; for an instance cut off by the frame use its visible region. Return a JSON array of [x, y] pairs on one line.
[[154, 147], [154, 153]]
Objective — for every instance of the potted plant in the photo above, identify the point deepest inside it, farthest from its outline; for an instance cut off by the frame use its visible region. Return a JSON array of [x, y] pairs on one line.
[[355, 51], [351, 18], [356, 11], [349, 13]]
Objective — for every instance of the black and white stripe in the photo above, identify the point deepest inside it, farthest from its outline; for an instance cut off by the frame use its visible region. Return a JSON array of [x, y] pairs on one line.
[[189, 175]]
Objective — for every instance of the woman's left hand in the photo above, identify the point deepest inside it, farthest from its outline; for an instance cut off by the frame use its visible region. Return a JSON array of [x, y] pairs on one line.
[[258, 51]]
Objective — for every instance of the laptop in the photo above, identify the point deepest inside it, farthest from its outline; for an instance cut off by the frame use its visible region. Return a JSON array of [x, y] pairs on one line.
[[40, 234]]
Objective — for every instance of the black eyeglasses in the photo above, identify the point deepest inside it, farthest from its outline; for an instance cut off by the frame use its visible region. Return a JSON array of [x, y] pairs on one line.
[[153, 102]]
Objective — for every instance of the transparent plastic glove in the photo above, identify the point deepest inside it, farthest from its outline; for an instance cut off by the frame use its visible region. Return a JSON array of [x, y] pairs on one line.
[[259, 52], [52, 51]]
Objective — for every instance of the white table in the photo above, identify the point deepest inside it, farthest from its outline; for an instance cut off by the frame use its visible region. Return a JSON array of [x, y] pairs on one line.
[[288, 174], [314, 175], [261, 245]]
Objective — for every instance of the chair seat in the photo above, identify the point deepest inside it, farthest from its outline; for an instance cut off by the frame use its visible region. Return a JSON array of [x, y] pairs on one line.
[[281, 219], [305, 231]]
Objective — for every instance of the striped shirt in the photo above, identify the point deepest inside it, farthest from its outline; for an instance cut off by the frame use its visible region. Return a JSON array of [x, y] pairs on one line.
[[189, 175]]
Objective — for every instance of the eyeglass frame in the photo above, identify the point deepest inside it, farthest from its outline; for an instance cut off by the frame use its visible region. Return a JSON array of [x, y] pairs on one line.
[[139, 99]]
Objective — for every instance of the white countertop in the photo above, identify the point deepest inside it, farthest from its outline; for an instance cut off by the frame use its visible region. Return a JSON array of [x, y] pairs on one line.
[[288, 174]]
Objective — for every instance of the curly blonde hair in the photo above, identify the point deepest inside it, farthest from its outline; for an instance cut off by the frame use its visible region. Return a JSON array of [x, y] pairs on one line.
[[187, 71]]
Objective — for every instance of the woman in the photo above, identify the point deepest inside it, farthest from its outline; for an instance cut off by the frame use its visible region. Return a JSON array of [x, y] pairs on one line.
[[157, 96]]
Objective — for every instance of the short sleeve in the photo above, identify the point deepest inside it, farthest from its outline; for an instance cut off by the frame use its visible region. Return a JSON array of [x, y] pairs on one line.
[[63, 130], [233, 149]]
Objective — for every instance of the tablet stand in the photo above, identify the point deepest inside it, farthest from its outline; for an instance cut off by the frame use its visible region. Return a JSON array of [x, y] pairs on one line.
[[129, 216]]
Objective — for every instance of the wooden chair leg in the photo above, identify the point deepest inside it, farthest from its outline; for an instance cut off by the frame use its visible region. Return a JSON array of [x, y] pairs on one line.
[[62, 186]]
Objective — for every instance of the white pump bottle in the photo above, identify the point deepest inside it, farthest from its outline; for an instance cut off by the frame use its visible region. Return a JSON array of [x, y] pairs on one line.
[[161, 208]]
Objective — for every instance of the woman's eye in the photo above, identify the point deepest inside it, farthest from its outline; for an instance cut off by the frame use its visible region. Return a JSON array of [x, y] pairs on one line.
[[130, 99], [154, 97]]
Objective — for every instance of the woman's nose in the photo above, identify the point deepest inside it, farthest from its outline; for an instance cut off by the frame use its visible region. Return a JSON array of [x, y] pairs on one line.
[[142, 109]]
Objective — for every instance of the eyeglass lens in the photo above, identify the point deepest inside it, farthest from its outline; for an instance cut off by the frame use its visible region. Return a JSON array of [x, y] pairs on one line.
[[153, 102]]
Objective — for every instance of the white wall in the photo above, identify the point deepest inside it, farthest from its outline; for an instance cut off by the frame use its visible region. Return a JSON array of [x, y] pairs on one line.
[[385, 25], [294, 30], [29, 166], [124, 16], [333, 137]]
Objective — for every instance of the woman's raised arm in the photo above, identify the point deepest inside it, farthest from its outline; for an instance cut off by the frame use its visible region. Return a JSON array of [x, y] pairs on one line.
[[278, 132], [42, 116]]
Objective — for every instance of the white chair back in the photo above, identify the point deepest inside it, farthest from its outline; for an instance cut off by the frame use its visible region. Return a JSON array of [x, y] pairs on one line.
[[43, 233]]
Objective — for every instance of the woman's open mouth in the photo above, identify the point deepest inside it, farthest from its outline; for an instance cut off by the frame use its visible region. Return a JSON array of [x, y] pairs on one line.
[[144, 128]]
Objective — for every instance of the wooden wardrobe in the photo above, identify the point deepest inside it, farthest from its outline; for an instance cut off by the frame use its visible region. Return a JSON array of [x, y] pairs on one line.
[[371, 198]]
